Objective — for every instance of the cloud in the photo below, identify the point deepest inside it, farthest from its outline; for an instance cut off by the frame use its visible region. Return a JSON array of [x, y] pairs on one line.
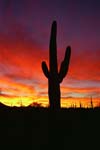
[[20, 55], [85, 65], [14, 88], [80, 92], [20, 64]]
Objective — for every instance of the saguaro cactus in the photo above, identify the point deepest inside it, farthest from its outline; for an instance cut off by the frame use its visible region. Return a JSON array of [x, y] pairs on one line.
[[55, 77]]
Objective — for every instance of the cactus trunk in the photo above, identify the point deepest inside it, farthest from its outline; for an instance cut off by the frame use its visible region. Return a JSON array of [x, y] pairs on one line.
[[54, 87], [55, 77]]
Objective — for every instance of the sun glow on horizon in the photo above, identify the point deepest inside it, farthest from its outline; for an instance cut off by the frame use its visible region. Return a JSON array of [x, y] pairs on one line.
[[43, 102]]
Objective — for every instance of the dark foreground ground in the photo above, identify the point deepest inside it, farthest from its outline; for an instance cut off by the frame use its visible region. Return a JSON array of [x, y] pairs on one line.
[[39, 128]]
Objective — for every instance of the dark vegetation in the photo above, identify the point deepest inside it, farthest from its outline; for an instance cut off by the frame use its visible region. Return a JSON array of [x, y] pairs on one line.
[[41, 128]]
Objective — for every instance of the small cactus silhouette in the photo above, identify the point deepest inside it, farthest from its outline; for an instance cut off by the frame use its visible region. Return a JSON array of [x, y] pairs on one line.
[[91, 103], [55, 77]]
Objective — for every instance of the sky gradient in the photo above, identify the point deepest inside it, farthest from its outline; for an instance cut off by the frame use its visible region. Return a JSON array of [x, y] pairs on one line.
[[24, 43]]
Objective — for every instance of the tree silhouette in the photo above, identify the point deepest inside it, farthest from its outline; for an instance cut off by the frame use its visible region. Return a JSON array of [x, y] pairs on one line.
[[55, 77]]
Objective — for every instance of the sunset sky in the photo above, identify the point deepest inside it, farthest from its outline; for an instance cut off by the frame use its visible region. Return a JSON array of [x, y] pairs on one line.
[[24, 43]]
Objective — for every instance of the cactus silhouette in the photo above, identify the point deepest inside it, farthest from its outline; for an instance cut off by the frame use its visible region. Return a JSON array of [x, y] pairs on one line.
[[55, 77]]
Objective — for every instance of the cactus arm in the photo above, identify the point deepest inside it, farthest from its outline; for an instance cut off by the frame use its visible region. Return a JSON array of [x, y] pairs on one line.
[[65, 64], [53, 49], [45, 69]]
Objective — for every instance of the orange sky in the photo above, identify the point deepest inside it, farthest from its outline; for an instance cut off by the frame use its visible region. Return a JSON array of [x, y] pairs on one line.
[[22, 81], [24, 41]]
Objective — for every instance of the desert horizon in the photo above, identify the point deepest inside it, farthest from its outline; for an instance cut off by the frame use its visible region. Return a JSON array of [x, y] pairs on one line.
[[44, 102]]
